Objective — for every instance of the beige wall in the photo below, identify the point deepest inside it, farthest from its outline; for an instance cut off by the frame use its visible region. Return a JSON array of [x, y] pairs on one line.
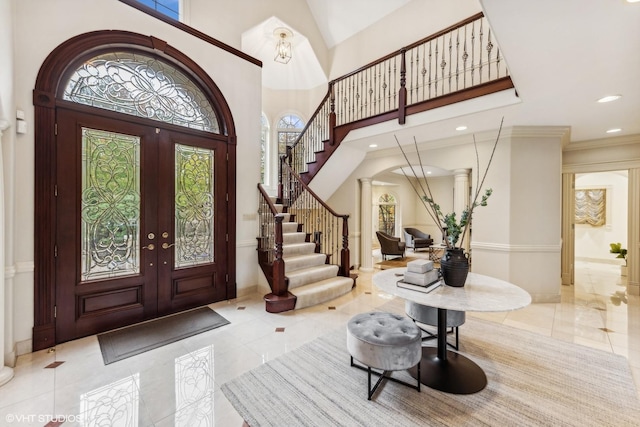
[[520, 228]]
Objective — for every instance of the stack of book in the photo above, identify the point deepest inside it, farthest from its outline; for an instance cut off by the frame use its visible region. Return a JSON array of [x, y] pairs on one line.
[[420, 276]]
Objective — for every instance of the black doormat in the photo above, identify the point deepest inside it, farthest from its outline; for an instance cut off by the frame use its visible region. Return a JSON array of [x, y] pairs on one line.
[[136, 339]]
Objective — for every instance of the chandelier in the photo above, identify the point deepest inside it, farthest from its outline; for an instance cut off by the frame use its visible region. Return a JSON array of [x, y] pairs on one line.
[[283, 47]]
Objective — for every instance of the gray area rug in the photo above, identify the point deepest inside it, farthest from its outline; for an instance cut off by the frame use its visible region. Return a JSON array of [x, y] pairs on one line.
[[532, 381], [126, 342]]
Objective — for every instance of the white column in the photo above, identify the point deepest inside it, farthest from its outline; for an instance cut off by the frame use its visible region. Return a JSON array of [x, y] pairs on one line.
[[366, 261], [633, 233], [6, 373], [461, 196], [460, 191]]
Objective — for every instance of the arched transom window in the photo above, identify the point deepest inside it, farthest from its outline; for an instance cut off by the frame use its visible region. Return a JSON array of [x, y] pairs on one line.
[[140, 85], [289, 128]]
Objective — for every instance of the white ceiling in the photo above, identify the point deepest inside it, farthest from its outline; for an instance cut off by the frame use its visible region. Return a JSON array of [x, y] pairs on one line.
[[563, 55]]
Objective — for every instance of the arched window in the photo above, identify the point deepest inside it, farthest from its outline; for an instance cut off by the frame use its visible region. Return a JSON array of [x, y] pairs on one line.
[[264, 150], [143, 86], [387, 214], [289, 127]]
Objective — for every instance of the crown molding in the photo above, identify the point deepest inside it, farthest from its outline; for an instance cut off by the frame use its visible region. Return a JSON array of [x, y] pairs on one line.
[[603, 143]]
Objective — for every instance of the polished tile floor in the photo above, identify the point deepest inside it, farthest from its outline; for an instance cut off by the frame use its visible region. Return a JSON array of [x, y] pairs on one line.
[[179, 384]]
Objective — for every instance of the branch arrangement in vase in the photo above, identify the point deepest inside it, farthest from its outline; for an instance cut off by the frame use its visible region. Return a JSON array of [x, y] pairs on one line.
[[455, 230]]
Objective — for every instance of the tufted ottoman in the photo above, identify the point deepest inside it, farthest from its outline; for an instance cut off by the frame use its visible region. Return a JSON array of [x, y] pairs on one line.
[[384, 341]]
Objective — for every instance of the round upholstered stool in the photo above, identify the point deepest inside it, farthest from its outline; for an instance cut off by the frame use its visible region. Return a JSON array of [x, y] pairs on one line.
[[384, 341], [429, 316]]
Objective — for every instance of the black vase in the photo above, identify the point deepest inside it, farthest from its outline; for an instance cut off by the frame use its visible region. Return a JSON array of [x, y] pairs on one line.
[[454, 267]]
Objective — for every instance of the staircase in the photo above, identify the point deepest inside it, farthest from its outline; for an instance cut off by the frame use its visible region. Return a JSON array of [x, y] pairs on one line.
[[311, 279], [302, 248], [459, 63]]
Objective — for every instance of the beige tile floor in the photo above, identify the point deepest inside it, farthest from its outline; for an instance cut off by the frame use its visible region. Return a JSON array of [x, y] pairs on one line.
[[179, 384]]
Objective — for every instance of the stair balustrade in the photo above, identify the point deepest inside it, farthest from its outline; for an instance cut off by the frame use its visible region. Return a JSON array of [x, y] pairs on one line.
[[458, 63], [329, 230]]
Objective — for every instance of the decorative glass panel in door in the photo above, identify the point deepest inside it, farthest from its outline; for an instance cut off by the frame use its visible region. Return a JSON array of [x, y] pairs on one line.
[[110, 205], [194, 184]]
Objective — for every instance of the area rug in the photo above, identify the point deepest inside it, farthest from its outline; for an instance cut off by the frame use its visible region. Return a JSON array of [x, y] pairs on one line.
[[394, 263], [532, 381], [126, 342]]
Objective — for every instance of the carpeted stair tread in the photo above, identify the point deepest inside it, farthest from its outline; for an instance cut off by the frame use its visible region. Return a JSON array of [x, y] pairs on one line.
[[289, 227], [291, 238], [322, 291], [298, 249], [303, 261], [309, 275]]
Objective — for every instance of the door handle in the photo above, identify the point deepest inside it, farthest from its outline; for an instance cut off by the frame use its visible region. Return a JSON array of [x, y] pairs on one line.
[[166, 245], [151, 246]]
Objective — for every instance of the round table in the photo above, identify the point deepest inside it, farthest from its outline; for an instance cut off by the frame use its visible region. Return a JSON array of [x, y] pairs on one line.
[[444, 369]]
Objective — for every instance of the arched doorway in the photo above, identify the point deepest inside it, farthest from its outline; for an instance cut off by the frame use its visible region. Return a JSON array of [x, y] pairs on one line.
[[135, 155]]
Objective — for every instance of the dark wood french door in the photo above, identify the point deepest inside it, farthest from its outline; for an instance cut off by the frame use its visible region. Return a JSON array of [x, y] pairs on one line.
[[141, 224]]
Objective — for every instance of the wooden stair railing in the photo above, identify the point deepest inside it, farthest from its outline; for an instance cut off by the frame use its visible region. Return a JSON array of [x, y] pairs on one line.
[[328, 229], [458, 63], [270, 243]]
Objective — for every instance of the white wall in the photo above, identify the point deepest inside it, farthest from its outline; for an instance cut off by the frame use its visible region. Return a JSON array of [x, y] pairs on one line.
[[7, 167], [592, 243], [39, 27]]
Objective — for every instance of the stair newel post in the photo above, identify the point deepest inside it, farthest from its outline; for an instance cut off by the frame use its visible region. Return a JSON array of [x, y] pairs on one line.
[[332, 114], [344, 254], [279, 284], [402, 95]]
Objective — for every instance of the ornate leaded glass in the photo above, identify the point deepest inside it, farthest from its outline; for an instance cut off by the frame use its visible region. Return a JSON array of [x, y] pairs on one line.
[[143, 86], [194, 206], [110, 204]]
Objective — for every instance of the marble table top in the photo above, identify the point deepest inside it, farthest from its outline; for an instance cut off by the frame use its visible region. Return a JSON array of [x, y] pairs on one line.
[[480, 293]]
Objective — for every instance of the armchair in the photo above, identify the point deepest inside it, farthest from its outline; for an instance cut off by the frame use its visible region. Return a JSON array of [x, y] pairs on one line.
[[416, 239], [390, 245]]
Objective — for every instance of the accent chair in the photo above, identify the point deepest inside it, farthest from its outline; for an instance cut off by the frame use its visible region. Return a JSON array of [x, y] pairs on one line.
[[390, 245], [416, 239]]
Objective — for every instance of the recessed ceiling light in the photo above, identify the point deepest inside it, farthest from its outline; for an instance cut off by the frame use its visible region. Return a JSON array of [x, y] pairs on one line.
[[373, 145], [609, 98], [461, 128], [614, 130], [633, 1], [428, 172]]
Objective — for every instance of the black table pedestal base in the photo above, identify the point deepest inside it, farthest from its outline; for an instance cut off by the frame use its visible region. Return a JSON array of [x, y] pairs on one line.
[[456, 374]]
